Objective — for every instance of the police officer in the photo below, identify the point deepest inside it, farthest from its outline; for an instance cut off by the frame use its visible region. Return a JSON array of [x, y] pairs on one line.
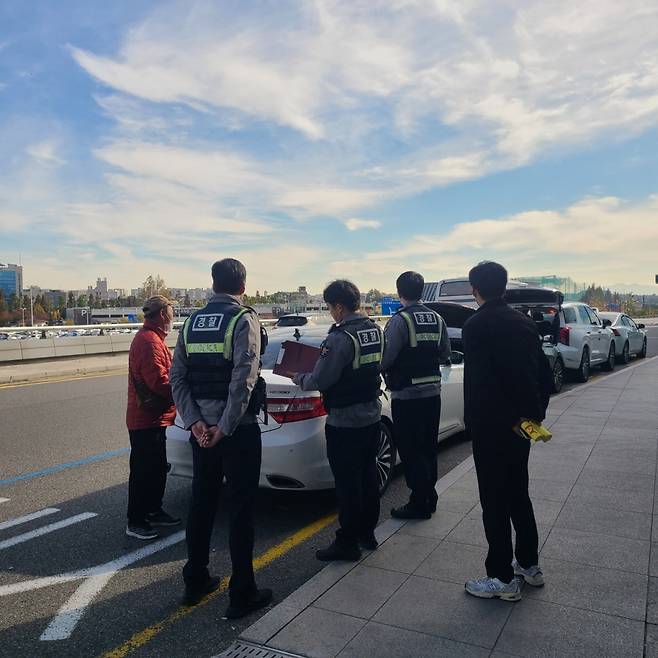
[[348, 375], [217, 389], [417, 343]]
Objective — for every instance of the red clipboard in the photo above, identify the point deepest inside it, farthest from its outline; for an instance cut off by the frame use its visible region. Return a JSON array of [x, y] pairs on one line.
[[295, 357]]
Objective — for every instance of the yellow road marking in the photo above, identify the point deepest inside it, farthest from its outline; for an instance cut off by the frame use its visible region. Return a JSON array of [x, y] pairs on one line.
[[144, 636], [67, 378]]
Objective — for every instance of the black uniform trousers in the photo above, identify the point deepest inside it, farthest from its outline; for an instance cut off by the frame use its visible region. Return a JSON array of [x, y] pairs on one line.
[[501, 464], [148, 473], [416, 431], [352, 454], [237, 458]]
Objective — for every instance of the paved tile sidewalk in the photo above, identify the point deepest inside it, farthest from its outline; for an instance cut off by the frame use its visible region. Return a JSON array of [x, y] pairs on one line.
[[593, 488]]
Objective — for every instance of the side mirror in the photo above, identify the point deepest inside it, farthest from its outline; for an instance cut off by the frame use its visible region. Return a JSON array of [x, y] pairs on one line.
[[641, 326], [456, 358], [607, 323]]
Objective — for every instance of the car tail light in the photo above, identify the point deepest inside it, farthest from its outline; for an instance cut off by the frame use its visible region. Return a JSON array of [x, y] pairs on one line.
[[287, 410], [616, 332], [564, 335]]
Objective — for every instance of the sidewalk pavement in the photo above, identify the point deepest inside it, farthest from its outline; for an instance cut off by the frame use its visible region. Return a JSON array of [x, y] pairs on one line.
[[593, 488], [34, 371]]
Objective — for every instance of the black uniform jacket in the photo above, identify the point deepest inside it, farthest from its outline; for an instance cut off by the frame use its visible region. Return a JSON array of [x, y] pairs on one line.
[[506, 374]]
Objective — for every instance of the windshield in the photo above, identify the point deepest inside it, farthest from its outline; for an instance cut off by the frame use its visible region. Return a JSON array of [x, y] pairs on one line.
[[272, 351], [292, 321]]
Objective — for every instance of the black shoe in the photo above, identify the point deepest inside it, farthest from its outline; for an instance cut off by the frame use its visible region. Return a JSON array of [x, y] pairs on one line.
[[194, 593], [141, 531], [368, 543], [163, 519], [408, 511], [259, 600], [336, 552]]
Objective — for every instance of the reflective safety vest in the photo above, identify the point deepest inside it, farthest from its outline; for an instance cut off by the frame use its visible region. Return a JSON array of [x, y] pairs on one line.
[[360, 380], [418, 361], [208, 339]]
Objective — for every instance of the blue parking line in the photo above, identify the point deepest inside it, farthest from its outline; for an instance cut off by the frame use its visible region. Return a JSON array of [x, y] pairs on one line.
[[63, 467]]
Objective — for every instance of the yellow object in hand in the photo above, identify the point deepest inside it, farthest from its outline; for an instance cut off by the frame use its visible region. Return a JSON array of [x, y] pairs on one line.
[[533, 431]]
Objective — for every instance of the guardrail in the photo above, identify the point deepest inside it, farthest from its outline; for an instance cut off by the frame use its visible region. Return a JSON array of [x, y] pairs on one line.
[[109, 341]]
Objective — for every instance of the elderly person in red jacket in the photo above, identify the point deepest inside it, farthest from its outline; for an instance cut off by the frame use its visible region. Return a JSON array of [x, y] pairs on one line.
[[150, 410]]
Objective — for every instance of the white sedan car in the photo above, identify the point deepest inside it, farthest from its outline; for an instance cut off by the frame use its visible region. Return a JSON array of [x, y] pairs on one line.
[[630, 338], [294, 449]]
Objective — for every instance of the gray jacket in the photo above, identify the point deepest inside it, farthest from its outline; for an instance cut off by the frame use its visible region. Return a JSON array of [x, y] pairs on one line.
[[337, 353], [396, 333], [227, 414]]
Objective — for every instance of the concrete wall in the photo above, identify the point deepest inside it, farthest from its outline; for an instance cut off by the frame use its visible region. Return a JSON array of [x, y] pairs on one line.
[[47, 348]]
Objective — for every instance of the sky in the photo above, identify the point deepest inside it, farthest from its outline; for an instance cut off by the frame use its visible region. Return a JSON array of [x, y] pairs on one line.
[[317, 139]]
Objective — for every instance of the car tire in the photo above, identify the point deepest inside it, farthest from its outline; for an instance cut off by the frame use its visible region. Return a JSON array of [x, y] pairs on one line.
[[583, 371], [625, 356], [558, 375], [609, 365], [643, 352], [386, 457]]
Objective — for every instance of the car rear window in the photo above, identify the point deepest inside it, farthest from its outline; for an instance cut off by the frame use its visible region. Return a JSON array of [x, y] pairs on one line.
[[570, 315], [455, 288], [274, 345]]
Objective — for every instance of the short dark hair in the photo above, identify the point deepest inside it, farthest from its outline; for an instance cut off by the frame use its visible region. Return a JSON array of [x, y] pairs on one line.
[[343, 292], [410, 285], [489, 279], [228, 276]]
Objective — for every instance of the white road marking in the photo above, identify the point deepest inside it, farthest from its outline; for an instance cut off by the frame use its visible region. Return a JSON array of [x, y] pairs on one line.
[[26, 536], [4, 500], [28, 517], [61, 627]]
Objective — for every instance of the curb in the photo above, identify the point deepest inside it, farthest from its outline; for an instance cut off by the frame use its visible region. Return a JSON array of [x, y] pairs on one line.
[[45, 377]]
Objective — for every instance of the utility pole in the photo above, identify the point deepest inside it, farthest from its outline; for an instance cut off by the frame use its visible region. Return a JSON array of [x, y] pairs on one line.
[[31, 308]]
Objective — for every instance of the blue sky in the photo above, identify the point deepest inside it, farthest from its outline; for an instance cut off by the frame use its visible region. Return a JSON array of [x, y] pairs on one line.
[[322, 139]]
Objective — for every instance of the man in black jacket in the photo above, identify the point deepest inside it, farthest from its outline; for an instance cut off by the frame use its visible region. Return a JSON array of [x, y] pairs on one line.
[[505, 381]]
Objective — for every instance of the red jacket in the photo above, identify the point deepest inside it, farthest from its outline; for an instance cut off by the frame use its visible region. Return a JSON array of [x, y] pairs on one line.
[[149, 361]]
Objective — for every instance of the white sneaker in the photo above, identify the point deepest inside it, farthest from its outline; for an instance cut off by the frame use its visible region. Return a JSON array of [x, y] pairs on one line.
[[492, 588], [532, 575]]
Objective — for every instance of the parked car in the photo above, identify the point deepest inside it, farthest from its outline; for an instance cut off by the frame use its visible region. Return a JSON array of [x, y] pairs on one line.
[[544, 306], [584, 341], [630, 337], [457, 291], [294, 448]]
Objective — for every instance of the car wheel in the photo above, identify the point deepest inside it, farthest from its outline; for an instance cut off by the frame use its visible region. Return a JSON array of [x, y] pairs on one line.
[[385, 457], [612, 359], [609, 365], [558, 375], [625, 353], [583, 370], [643, 352]]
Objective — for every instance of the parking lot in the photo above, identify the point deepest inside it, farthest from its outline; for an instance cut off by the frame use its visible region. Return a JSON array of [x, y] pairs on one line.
[[72, 583]]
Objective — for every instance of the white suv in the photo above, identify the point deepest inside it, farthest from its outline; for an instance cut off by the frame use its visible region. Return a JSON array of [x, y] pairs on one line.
[[584, 341]]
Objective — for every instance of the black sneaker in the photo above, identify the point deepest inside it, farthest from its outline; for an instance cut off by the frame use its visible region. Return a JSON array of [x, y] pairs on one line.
[[336, 552], [369, 543], [260, 599], [194, 593], [162, 519], [141, 531], [410, 512]]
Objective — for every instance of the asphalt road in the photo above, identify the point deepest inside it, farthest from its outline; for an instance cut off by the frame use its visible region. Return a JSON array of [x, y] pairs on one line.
[[46, 426]]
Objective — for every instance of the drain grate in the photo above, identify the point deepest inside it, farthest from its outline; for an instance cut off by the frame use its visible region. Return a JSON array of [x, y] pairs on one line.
[[242, 649]]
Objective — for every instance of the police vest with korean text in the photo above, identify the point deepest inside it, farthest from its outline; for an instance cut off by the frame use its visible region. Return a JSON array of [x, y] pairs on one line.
[[418, 361], [208, 338], [360, 380]]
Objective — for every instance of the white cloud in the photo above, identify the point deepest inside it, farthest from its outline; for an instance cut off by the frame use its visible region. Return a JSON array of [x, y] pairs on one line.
[[596, 240], [356, 224], [45, 153]]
